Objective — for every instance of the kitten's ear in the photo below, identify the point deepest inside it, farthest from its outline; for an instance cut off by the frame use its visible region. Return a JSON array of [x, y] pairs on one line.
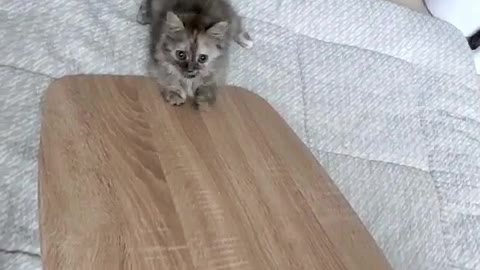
[[174, 23], [218, 30]]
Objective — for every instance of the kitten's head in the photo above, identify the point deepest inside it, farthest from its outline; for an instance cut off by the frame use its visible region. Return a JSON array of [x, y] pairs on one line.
[[190, 47]]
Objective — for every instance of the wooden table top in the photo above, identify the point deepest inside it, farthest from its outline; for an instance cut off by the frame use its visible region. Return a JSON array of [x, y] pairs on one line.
[[129, 182]]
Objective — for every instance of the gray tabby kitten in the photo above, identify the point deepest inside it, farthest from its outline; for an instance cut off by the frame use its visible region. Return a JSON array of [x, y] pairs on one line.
[[189, 40]]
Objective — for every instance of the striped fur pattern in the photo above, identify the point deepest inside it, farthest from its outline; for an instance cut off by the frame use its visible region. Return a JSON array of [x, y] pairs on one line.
[[189, 41]]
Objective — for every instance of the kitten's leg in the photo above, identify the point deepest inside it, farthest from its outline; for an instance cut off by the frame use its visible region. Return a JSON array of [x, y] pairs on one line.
[[144, 15], [174, 95], [205, 96], [243, 39], [240, 36]]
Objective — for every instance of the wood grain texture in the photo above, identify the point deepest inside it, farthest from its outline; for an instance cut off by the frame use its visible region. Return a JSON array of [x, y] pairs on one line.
[[129, 182]]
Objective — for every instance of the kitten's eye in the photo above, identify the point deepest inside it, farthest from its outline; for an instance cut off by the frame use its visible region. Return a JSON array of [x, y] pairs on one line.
[[202, 58], [181, 55]]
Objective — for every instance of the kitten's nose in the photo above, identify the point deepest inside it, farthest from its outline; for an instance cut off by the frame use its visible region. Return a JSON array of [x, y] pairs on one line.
[[191, 70], [190, 67]]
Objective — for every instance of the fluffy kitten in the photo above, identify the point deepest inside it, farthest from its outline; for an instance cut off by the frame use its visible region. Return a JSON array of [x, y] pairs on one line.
[[189, 40]]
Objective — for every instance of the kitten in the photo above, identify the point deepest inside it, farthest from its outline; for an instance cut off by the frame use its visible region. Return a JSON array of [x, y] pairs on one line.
[[189, 40]]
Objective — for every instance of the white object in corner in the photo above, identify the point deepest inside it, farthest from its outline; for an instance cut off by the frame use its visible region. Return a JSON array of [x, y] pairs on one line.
[[463, 14], [476, 57]]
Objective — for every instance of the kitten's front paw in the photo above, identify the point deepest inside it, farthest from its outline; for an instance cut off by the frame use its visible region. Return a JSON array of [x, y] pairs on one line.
[[205, 96], [175, 96]]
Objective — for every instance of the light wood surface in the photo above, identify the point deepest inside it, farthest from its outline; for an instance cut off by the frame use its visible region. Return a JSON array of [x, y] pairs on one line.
[[129, 182]]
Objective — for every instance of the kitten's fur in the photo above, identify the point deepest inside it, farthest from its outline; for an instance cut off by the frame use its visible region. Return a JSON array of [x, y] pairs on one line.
[[189, 40]]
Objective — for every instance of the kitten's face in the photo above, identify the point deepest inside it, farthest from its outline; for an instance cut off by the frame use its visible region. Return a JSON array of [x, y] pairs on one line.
[[190, 51]]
